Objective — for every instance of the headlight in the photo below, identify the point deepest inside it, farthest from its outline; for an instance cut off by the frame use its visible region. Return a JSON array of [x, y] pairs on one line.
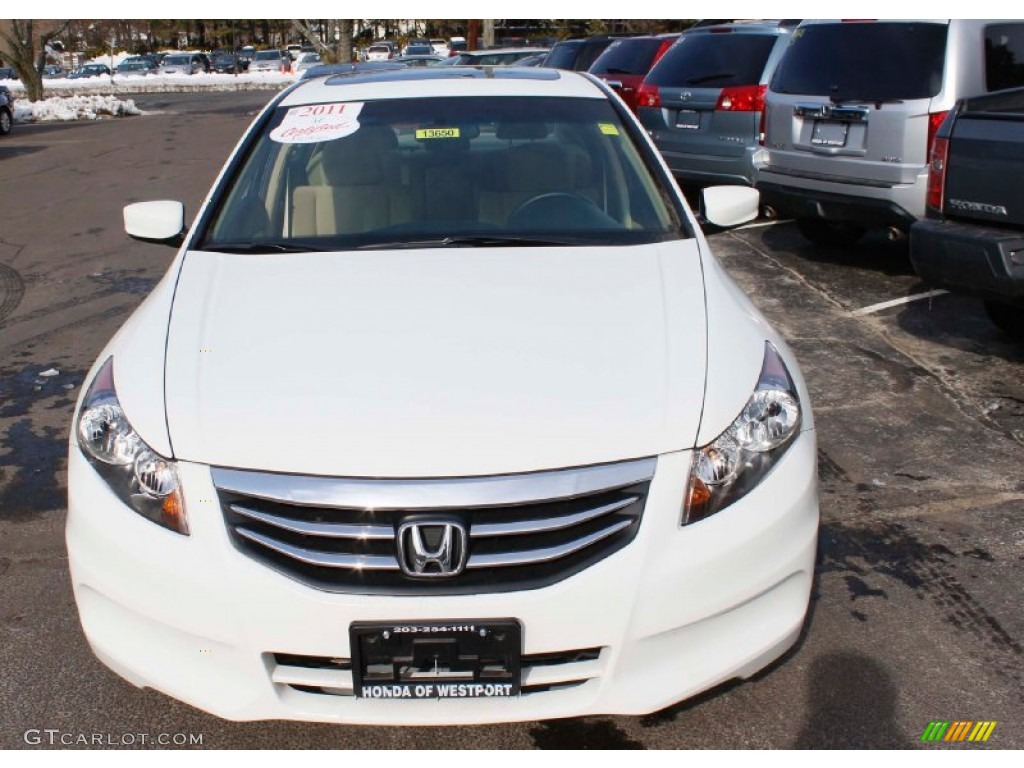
[[141, 478], [739, 458]]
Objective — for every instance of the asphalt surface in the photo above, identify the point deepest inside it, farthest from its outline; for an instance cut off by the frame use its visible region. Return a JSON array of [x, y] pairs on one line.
[[916, 614]]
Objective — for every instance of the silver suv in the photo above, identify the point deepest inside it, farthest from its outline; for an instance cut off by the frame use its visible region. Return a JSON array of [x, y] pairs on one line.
[[852, 110]]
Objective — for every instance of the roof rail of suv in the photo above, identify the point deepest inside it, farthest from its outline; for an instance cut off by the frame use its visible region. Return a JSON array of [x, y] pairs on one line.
[[716, 22]]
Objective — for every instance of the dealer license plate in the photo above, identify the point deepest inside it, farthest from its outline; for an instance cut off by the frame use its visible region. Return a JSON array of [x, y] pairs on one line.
[[456, 659], [688, 118], [829, 134]]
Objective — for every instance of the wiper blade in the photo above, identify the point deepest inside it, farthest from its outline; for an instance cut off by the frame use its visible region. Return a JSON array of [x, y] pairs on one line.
[[705, 78], [268, 246], [470, 241], [473, 241]]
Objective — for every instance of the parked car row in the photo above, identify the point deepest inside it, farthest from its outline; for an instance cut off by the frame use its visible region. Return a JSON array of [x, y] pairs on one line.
[[182, 62], [832, 121]]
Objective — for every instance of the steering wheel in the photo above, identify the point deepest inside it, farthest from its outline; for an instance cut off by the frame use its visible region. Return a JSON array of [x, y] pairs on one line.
[[545, 198]]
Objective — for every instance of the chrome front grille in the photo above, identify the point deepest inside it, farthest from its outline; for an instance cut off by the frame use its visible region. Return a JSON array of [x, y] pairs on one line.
[[520, 531]]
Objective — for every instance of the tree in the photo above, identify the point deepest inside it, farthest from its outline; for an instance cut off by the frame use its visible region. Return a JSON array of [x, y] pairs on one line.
[[24, 42], [339, 50]]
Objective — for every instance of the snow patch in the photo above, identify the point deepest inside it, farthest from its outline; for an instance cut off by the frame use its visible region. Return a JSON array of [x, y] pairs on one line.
[[67, 108]]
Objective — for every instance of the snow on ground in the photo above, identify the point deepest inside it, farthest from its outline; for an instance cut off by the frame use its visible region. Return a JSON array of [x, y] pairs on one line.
[[88, 98], [65, 108]]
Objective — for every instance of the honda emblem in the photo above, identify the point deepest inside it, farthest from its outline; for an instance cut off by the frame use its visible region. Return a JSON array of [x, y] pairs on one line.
[[432, 548]]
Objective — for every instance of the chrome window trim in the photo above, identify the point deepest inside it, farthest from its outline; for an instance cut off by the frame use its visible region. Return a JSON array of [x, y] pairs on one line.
[[421, 494]]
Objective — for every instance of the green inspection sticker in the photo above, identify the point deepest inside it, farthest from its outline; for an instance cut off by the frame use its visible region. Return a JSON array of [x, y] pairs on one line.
[[608, 129], [437, 133]]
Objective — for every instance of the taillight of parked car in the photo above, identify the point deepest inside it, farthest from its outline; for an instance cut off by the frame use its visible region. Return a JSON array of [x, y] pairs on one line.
[[934, 121], [742, 98], [937, 172], [648, 96]]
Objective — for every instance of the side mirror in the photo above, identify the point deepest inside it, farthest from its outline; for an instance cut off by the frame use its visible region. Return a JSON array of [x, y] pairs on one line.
[[157, 221], [730, 206]]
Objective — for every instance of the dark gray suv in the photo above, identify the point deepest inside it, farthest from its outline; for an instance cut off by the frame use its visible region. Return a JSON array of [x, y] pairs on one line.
[[703, 101]]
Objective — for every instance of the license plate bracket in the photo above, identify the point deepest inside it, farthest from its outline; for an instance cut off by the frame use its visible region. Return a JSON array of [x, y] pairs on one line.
[[688, 119], [829, 133], [437, 659]]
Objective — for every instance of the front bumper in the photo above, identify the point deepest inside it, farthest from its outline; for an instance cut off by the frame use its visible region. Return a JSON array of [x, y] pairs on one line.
[[965, 258], [674, 613]]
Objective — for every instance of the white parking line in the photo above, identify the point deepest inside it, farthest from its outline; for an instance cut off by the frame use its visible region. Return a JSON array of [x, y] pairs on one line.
[[758, 224], [895, 303]]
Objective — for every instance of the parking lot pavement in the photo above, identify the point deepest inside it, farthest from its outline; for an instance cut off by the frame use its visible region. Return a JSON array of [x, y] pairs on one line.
[[921, 488], [917, 609]]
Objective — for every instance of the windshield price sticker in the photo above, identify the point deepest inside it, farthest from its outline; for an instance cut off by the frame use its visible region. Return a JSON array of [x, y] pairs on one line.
[[318, 122], [437, 133], [608, 129]]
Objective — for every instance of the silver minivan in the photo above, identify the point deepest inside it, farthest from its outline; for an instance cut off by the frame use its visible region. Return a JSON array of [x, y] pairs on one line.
[[852, 110]]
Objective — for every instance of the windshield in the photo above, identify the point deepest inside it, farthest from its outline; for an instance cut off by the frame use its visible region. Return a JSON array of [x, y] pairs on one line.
[[133, 65], [439, 171], [265, 55], [864, 61], [176, 60]]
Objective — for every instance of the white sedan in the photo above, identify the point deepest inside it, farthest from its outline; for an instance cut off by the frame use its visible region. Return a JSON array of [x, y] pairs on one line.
[[444, 398]]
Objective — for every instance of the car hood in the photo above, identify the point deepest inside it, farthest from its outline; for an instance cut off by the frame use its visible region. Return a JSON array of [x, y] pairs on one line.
[[434, 363]]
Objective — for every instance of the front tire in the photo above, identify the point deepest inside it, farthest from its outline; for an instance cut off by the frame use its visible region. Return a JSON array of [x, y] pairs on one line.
[[6, 120], [1008, 318], [830, 234]]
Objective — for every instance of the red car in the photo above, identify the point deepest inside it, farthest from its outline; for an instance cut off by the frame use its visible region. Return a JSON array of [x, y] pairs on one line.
[[626, 62]]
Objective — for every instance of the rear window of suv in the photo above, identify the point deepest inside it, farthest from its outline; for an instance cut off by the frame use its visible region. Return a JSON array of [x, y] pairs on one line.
[[563, 55], [713, 61], [864, 61], [1004, 56]]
